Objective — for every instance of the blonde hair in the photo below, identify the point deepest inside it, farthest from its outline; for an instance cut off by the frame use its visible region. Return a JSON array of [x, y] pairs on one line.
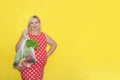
[[34, 16]]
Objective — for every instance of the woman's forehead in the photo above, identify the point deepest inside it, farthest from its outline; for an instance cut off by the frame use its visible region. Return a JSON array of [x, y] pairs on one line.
[[34, 20]]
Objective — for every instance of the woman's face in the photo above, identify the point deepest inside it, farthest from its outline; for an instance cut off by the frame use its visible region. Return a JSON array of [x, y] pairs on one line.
[[34, 24]]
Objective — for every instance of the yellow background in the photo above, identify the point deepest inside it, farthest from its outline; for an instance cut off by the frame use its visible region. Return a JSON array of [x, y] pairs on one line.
[[87, 33]]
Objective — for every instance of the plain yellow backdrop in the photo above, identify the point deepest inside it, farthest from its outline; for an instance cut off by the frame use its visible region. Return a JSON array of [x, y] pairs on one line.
[[86, 31]]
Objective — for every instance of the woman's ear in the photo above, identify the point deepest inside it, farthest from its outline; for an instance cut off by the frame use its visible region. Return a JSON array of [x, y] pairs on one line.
[[40, 26]]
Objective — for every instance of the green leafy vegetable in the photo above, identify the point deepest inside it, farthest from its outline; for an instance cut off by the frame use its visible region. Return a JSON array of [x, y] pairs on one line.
[[32, 43]]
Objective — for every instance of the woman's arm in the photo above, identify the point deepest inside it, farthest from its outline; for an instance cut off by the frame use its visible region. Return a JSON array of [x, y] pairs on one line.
[[52, 43], [23, 36]]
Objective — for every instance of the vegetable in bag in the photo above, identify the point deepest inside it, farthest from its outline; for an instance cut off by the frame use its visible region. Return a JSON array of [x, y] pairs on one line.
[[26, 55]]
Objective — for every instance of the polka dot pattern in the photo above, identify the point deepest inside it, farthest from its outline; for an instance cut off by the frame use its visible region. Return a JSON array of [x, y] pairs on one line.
[[37, 69]]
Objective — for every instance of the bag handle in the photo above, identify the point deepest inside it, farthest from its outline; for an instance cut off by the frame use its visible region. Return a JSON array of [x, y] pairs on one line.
[[27, 37]]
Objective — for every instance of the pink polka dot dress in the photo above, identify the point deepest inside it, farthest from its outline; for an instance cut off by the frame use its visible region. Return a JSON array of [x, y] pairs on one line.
[[37, 69]]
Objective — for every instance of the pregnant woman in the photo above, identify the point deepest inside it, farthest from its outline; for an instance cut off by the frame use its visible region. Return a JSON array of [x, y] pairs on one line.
[[33, 31]]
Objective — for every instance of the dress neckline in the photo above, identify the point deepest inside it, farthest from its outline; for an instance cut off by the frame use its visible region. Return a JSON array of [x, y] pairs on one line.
[[35, 34]]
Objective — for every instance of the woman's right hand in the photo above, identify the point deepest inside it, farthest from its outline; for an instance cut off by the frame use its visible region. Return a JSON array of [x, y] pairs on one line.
[[23, 37], [25, 32]]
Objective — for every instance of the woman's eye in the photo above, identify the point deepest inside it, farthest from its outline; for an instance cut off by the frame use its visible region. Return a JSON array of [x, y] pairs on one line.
[[31, 23], [36, 22]]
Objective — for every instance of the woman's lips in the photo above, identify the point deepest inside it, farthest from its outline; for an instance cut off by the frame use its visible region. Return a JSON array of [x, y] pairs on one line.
[[34, 27]]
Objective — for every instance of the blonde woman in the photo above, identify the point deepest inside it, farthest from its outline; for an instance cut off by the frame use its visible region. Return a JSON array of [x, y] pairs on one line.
[[34, 32]]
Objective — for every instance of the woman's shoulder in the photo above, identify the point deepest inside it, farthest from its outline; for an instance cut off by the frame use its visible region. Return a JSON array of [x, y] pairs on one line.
[[43, 32]]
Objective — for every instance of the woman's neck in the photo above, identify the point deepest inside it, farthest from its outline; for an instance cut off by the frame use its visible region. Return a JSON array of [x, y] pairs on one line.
[[35, 32]]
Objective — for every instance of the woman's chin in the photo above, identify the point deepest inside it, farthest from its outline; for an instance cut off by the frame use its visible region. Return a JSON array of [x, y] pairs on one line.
[[35, 28]]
